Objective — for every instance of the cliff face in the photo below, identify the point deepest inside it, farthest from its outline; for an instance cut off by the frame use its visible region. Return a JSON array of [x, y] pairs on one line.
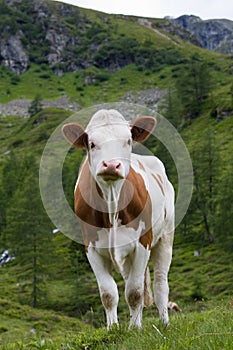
[[214, 34], [13, 54], [40, 31]]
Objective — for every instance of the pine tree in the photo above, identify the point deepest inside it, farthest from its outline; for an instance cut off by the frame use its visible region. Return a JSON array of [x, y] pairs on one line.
[[9, 182], [205, 163], [28, 234], [10, 176], [2, 212], [172, 109], [35, 107], [193, 86], [224, 228]]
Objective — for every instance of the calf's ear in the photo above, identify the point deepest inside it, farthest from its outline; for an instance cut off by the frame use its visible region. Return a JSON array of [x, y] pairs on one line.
[[142, 128], [75, 134]]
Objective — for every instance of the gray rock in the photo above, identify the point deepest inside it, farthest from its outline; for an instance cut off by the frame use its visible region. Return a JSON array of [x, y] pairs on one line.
[[150, 97], [13, 54], [213, 34], [20, 107]]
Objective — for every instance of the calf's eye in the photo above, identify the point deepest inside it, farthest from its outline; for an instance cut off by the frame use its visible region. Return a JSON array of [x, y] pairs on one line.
[[91, 145], [129, 142]]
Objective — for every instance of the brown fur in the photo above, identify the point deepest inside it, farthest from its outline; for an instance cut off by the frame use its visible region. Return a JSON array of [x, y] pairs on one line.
[[141, 166], [158, 179], [173, 307], [139, 207], [148, 296], [107, 300]]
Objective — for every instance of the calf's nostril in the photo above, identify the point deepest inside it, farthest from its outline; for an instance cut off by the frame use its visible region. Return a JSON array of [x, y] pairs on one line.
[[111, 170], [113, 165]]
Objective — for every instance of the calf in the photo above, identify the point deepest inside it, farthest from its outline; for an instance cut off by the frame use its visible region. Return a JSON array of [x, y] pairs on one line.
[[125, 206]]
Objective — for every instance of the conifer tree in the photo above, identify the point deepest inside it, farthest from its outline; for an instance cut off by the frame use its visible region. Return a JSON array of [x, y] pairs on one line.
[[224, 228], [35, 107], [10, 176], [205, 164], [2, 212], [9, 181], [28, 234], [193, 86], [172, 108]]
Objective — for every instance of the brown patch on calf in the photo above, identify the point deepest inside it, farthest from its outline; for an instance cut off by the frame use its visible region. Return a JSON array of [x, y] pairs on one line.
[[148, 296], [141, 166], [159, 181], [134, 298], [139, 208], [85, 207], [107, 300]]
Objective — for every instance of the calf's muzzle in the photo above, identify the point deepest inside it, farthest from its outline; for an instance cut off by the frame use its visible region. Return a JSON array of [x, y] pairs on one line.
[[111, 170]]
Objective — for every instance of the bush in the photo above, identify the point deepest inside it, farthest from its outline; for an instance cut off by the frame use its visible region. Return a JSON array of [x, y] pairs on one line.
[[101, 77], [15, 80]]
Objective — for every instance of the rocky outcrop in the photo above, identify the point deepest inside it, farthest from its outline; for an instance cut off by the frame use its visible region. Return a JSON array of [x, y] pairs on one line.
[[13, 54], [62, 46], [20, 107], [214, 34], [58, 40], [40, 32], [150, 97]]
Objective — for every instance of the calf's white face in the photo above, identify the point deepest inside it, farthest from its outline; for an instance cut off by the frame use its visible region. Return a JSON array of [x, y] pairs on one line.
[[110, 148], [108, 139]]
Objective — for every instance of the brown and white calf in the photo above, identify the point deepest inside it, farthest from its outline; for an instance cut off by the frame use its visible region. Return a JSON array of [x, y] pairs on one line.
[[125, 205]]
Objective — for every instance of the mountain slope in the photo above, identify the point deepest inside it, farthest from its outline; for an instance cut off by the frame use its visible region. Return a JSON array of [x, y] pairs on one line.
[[66, 38], [213, 34], [69, 39], [43, 43]]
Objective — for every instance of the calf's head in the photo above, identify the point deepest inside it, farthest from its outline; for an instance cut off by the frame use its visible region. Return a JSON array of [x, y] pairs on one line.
[[108, 139]]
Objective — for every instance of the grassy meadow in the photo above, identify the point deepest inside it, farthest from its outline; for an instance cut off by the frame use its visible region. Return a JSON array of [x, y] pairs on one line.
[[201, 325]]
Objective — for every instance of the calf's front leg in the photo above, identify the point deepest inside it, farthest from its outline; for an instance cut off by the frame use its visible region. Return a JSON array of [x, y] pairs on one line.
[[134, 286], [101, 267]]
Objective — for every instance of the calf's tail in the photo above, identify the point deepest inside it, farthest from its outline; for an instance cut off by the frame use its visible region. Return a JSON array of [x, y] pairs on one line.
[[148, 296]]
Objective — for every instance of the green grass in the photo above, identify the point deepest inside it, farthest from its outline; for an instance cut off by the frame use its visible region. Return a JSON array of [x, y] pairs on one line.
[[17, 321], [199, 276], [52, 87], [29, 135], [207, 326]]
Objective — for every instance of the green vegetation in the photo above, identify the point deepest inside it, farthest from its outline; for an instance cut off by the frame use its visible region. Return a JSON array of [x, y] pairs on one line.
[[35, 107], [207, 326], [49, 271]]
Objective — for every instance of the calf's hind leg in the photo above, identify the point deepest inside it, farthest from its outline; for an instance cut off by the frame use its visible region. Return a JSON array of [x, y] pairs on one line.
[[161, 257]]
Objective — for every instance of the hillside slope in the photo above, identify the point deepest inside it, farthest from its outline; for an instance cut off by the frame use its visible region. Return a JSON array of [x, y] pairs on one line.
[[69, 39]]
